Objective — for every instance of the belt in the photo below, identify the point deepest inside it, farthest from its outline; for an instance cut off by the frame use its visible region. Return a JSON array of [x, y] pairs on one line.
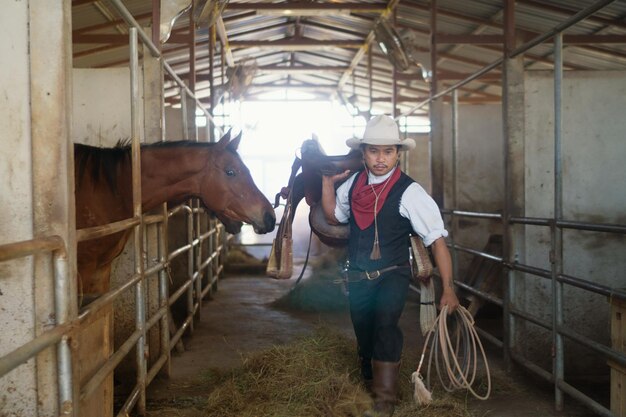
[[352, 276]]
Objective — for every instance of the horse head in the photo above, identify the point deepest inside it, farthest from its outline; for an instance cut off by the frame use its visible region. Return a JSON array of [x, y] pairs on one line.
[[229, 191]]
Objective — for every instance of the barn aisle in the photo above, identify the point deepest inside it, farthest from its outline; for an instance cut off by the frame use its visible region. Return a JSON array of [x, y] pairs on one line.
[[241, 319]]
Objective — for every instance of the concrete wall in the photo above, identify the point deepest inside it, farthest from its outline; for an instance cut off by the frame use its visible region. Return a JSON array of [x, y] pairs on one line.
[[35, 196], [480, 171], [18, 396], [594, 173], [173, 124], [418, 161]]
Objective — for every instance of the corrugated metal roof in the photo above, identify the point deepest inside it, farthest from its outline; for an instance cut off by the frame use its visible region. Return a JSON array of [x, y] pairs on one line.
[[319, 68]]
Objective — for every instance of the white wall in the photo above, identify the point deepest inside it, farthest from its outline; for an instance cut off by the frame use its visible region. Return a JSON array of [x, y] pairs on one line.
[[594, 190], [101, 113], [17, 389]]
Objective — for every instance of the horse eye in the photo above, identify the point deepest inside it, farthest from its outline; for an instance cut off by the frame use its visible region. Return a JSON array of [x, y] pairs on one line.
[[230, 172]]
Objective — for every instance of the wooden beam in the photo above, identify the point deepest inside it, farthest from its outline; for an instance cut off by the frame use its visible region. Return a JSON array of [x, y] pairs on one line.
[[302, 68], [112, 23], [449, 76], [295, 44], [180, 38], [298, 9], [592, 39], [443, 38], [109, 39]]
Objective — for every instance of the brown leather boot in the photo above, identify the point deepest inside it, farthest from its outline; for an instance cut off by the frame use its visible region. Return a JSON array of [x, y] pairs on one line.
[[384, 388]]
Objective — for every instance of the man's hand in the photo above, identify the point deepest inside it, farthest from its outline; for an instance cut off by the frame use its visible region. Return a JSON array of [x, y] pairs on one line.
[[337, 177], [328, 195], [449, 298]]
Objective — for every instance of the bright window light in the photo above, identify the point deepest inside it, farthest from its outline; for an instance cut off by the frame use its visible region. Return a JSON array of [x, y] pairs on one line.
[[200, 118]]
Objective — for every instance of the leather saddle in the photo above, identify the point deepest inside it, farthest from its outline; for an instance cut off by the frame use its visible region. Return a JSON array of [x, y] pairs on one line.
[[307, 185]]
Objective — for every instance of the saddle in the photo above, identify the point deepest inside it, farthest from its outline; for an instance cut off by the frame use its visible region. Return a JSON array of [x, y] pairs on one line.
[[307, 184]]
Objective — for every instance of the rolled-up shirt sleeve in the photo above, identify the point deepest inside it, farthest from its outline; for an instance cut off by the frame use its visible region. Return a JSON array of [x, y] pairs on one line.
[[342, 208], [423, 213]]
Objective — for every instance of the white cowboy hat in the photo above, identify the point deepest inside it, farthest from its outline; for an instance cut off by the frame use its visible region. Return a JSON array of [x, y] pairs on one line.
[[381, 130]]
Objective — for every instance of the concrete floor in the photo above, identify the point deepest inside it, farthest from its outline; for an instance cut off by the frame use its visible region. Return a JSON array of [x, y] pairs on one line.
[[240, 319]]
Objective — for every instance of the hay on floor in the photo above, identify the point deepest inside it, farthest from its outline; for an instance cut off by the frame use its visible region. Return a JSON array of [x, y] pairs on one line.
[[319, 291], [239, 261], [314, 376]]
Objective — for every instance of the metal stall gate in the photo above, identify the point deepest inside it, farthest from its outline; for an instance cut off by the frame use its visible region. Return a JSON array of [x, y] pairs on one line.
[[521, 247], [60, 384]]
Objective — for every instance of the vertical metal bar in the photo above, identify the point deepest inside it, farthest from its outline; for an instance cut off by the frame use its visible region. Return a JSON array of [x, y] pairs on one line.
[[369, 79], [198, 227], [213, 103], [156, 27], [455, 143], [62, 288], [507, 229], [436, 117], [164, 275], [557, 232], [184, 111], [433, 47], [210, 250], [190, 268], [394, 81], [163, 253], [200, 273], [140, 298]]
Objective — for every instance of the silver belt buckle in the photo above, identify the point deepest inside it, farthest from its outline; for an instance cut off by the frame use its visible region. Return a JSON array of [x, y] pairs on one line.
[[374, 275]]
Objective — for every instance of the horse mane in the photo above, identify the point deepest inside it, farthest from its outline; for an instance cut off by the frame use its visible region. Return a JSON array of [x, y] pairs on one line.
[[103, 163]]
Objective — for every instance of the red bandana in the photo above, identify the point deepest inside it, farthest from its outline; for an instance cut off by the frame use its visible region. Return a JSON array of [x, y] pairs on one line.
[[364, 198]]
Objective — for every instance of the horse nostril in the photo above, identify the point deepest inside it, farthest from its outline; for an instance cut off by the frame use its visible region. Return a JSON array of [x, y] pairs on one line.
[[270, 221]]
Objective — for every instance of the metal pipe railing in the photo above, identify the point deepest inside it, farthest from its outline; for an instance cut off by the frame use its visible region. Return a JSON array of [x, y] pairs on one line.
[[63, 328], [556, 224]]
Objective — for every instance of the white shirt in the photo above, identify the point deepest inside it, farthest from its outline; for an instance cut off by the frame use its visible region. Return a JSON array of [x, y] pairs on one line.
[[415, 205]]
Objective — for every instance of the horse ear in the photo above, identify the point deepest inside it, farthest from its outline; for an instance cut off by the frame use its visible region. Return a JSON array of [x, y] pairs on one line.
[[234, 144], [223, 142]]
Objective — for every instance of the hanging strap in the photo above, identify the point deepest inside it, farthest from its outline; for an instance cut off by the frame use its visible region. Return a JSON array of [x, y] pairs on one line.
[[297, 164]]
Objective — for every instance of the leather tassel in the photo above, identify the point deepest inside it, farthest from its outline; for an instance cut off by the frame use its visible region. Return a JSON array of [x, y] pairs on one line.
[[375, 251]]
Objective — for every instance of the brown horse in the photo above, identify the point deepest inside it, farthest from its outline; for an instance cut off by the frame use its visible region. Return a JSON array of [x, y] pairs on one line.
[[170, 172]]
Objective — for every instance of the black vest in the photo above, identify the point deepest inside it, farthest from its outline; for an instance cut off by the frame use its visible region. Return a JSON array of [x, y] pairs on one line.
[[393, 232]]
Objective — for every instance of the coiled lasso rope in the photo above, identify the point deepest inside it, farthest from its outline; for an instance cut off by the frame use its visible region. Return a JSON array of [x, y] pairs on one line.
[[447, 350]]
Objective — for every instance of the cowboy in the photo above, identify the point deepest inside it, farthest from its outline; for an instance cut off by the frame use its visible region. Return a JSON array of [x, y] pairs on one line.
[[383, 207]]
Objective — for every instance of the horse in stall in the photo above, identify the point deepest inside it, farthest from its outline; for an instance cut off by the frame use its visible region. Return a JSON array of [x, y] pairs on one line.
[[307, 185], [170, 172]]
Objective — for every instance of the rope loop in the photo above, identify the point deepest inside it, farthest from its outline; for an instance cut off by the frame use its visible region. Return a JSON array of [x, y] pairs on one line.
[[455, 356]]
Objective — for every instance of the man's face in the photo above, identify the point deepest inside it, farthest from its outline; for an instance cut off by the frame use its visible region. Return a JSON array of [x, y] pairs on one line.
[[380, 159]]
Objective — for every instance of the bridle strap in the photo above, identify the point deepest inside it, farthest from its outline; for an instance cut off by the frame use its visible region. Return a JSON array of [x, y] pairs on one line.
[[297, 164]]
